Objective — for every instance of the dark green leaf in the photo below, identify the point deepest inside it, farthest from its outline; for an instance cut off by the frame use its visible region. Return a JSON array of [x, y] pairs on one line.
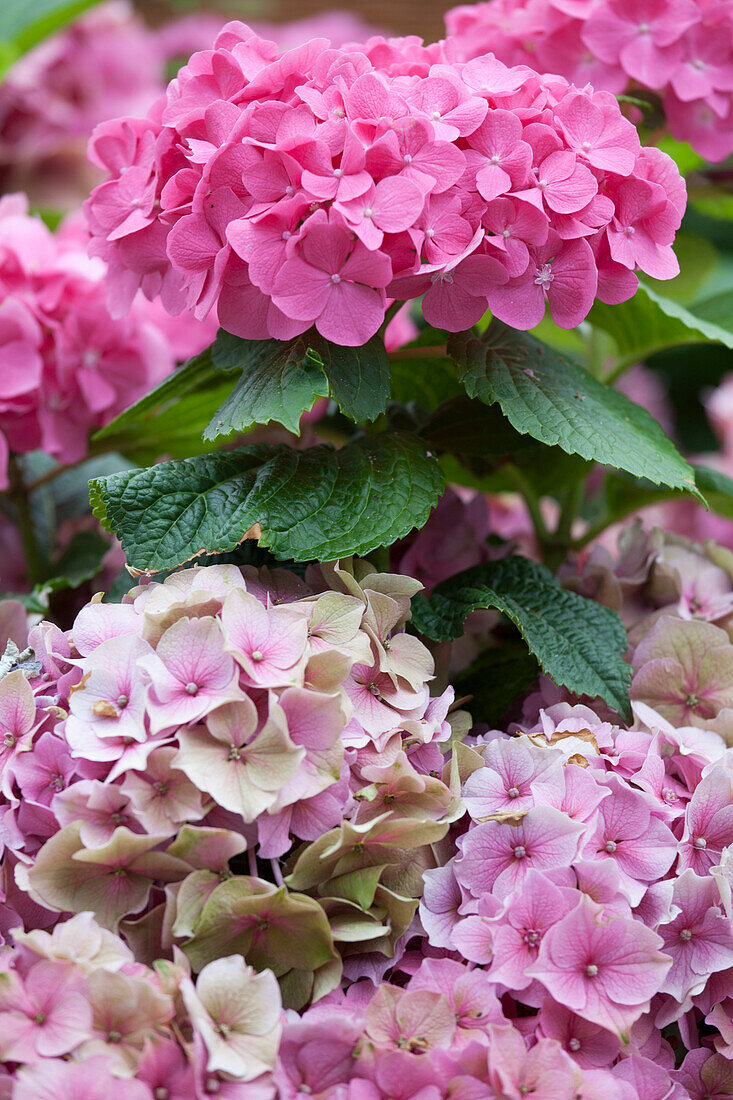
[[495, 679], [314, 504], [279, 381], [577, 641], [554, 400], [359, 378], [463, 426]]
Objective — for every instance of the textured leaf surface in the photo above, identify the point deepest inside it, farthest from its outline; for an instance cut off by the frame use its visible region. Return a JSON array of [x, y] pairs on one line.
[[359, 378], [278, 381], [549, 397], [313, 504], [577, 641]]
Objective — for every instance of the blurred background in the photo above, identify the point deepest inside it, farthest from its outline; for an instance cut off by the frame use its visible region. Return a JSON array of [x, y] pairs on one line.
[[423, 17]]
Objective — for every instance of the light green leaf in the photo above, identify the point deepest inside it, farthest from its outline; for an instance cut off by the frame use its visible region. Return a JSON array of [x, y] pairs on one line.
[[557, 402], [313, 504], [23, 24], [578, 642], [649, 322]]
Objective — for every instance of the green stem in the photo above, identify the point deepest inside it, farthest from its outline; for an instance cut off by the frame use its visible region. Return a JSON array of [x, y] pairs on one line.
[[597, 348], [391, 311], [532, 501], [561, 539], [50, 475], [20, 498], [592, 531]]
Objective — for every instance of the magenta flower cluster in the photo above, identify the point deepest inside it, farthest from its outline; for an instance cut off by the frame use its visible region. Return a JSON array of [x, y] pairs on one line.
[[316, 185], [67, 366], [682, 49], [232, 796]]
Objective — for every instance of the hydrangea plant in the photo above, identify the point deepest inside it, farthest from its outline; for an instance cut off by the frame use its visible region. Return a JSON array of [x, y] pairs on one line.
[[354, 786]]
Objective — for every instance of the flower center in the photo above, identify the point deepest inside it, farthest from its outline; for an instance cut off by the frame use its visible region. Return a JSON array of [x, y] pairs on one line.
[[57, 782], [692, 699], [532, 936], [700, 842], [286, 235], [610, 846], [122, 701], [496, 159], [39, 1018], [235, 753], [256, 654], [335, 278], [686, 935], [191, 688], [368, 212], [407, 159], [161, 1093], [644, 28], [114, 1036], [544, 276], [591, 970], [520, 852], [586, 146], [574, 1044], [513, 792], [338, 173], [9, 740]]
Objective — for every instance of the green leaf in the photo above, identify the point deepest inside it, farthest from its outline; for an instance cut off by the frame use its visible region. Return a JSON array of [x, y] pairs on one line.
[[579, 643], [495, 679], [682, 153], [194, 375], [712, 202], [463, 426], [23, 24], [359, 378], [554, 400], [280, 380], [697, 258], [171, 418], [427, 382], [650, 322], [313, 504], [80, 561], [623, 495]]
